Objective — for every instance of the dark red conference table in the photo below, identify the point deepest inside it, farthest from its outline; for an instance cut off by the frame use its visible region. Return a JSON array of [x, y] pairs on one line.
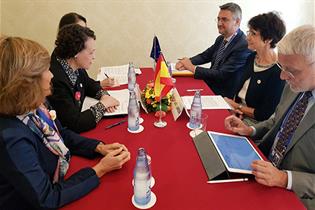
[[180, 179]]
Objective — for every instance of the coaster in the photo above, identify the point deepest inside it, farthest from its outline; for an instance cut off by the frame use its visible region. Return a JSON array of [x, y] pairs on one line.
[[160, 124], [146, 206], [195, 133], [141, 120], [152, 182], [188, 126], [141, 128]]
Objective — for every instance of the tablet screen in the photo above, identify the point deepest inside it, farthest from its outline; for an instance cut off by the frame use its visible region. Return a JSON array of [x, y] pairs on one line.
[[236, 151]]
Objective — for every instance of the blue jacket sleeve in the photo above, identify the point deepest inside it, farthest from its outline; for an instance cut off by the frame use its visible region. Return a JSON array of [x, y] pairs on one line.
[[206, 56], [21, 166], [233, 63], [78, 145]]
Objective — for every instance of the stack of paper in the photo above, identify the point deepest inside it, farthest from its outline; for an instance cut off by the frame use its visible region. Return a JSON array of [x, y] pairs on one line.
[[118, 72], [208, 102], [182, 73], [121, 95]]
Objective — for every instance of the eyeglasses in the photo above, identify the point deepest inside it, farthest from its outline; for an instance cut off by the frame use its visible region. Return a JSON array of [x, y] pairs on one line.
[[222, 20], [288, 73]]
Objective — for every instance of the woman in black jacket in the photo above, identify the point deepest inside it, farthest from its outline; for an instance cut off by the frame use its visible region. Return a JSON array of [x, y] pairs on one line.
[[260, 88], [74, 53]]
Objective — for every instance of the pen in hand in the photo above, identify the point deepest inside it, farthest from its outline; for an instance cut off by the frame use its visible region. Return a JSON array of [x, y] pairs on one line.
[[106, 75], [115, 124]]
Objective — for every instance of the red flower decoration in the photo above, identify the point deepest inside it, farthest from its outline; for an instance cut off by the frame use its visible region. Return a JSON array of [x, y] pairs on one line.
[[150, 84], [77, 95]]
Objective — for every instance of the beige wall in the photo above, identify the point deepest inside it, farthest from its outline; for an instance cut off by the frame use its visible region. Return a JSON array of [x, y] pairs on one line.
[[125, 28]]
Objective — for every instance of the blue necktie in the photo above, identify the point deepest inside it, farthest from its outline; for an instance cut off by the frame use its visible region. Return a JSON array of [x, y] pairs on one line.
[[219, 54], [288, 128]]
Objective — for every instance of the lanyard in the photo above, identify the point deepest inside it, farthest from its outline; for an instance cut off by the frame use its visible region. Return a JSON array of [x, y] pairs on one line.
[[47, 119]]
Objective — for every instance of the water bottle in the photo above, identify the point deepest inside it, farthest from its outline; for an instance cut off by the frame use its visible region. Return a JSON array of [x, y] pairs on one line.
[[169, 67], [195, 111], [133, 112], [131, 77], [142, 179]]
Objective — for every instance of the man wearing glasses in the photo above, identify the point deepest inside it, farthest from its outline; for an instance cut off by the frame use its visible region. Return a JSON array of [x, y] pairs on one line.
[[288, 137], [227, 55]]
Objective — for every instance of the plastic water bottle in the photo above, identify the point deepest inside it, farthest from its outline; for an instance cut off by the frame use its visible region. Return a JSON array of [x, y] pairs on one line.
[[131, 77], [169, 67], [195, 111], [142, 179], [133, 112]]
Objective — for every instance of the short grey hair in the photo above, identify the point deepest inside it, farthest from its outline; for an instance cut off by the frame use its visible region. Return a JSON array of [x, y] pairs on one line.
[[300, 41], [234, 8]]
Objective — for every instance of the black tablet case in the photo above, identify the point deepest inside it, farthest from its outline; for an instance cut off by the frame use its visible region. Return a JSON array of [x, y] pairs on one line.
[[211, 160]]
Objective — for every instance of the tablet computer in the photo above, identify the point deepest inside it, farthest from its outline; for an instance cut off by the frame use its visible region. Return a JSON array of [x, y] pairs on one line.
[[236, 152]]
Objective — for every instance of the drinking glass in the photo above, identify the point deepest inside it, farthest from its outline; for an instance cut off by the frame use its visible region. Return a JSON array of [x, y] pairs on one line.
[[202, 127]]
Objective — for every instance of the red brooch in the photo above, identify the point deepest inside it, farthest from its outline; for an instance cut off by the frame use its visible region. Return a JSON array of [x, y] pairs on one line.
[[77, 95]]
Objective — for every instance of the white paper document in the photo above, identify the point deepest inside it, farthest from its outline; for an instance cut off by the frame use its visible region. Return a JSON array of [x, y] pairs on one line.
[[175, 71], [121, 95], [208, 102], [120, 73]]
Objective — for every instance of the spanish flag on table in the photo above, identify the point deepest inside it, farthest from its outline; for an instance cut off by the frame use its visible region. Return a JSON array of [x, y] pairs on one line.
[[162, 79]]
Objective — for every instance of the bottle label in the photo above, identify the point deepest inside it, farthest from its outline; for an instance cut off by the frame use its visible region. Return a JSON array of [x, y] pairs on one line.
[[133, 120], [194, 121], [131, 79], [133, 113], [142, 188]]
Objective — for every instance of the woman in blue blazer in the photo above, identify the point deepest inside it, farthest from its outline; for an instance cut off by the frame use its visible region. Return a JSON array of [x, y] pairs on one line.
[[260, 88], [34, 149]]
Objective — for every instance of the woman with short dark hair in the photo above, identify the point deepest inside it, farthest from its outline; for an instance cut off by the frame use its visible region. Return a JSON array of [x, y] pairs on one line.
[[75, 18], [73, 54], [72, 18], [260, 88], [34, 149]]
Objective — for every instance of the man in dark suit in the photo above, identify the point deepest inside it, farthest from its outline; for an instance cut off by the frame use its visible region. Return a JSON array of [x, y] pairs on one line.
[[227, 55], [288, 137]]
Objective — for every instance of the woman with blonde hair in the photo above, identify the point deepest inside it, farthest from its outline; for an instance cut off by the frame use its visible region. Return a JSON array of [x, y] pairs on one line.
[[34, 149]]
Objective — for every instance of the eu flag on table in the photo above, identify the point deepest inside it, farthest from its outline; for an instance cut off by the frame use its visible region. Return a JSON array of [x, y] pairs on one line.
[[156, 49], [162, 80]]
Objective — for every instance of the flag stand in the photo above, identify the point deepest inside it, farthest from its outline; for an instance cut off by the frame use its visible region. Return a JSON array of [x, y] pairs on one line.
[[154, 65], [160, 123]]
